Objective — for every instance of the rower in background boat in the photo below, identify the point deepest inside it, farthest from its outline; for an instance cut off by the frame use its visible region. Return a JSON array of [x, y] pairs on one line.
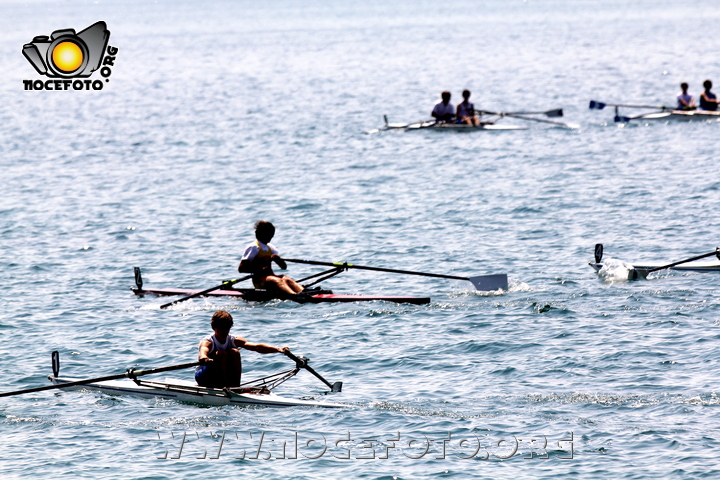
[[444, 111], [219, 354], [466, 110], [708, 100], [257, 260], [685, 100]]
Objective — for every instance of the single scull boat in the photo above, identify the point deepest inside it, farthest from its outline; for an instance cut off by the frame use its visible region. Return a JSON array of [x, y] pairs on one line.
[[253, 393], [644, 268], [258, 295]]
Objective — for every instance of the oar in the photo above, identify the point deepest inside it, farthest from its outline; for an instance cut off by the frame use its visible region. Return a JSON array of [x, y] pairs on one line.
[[558, 112], [601, 105], [644, 273], [391, 126], [131, 373], [482, 283], [512, 115], [226, 283], [302, 362]]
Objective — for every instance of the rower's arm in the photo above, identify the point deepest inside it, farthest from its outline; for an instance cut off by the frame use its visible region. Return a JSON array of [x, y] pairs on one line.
[[280, 262], [204, 350], [263, 348], [245, 266]]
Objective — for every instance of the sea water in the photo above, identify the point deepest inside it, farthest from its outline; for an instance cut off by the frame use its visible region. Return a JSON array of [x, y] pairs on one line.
[[216, 115]]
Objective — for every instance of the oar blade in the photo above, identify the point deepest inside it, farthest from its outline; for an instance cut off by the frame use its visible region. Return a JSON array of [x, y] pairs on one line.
[[489, 283], [637, 274], [336, 387], [598, 252], [597, 105], [554, 113]]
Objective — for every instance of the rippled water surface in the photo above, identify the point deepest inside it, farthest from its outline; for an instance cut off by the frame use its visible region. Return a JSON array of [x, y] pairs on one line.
[[217, 115]]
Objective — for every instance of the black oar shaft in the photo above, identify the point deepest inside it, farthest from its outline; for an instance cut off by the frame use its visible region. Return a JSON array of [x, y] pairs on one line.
[[376, 269], [302, 363], [228, 283], [716, 252], [529, 119], [128, 374]]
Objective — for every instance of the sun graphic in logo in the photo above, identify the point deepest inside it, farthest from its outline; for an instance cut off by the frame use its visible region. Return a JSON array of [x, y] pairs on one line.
[[67, 56]]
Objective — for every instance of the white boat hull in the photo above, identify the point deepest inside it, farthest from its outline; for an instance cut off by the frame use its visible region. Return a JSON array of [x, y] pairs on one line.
[[690, 267], [189, 392], [681, 115]]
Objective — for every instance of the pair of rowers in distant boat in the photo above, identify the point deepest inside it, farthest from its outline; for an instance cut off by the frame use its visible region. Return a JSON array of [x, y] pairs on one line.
[[708, 100], [444, 111]]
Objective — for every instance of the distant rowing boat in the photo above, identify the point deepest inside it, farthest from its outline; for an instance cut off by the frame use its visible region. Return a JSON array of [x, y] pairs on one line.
[[257, 295], [312, 293], [449, 126], [486, 121], [709, 267], [689, 265], [316, 295], [663, 113]]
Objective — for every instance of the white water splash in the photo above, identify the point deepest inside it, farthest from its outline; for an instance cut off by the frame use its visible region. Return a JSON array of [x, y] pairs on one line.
[[615, 270]]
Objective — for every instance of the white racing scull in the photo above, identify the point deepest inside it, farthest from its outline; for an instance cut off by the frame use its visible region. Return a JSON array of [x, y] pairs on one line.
[[256, 392], [641, 270], [486, 122], [663, 113]]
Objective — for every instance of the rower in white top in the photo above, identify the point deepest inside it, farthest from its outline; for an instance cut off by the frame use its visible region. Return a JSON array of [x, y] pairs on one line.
[[685, 100], [444, 111]]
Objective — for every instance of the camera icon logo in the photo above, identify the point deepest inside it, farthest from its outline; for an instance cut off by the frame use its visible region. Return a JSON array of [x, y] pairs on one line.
[[66, 54]]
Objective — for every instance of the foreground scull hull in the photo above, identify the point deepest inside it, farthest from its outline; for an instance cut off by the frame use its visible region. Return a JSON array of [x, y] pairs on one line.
[[255, 295], [188, 392]]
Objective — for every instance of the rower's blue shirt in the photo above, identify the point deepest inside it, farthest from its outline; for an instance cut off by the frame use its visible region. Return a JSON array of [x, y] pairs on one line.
[[705, 105]]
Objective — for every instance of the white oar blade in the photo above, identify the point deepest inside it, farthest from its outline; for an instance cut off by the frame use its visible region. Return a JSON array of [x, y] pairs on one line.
[[488, 283]]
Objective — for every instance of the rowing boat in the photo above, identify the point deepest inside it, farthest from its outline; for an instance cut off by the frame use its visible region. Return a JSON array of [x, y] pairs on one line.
[[258, 295], [449, 126], [256, 392], [698, 267], [313, 295], [661, 113], [190, 392], [689, 265], [675, 115], [486, 121]]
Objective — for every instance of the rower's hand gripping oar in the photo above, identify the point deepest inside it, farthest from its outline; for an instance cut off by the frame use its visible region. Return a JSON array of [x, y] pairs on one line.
[[225, 284], [130, 373], [635, 273], [483, 283], [302, 362]]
